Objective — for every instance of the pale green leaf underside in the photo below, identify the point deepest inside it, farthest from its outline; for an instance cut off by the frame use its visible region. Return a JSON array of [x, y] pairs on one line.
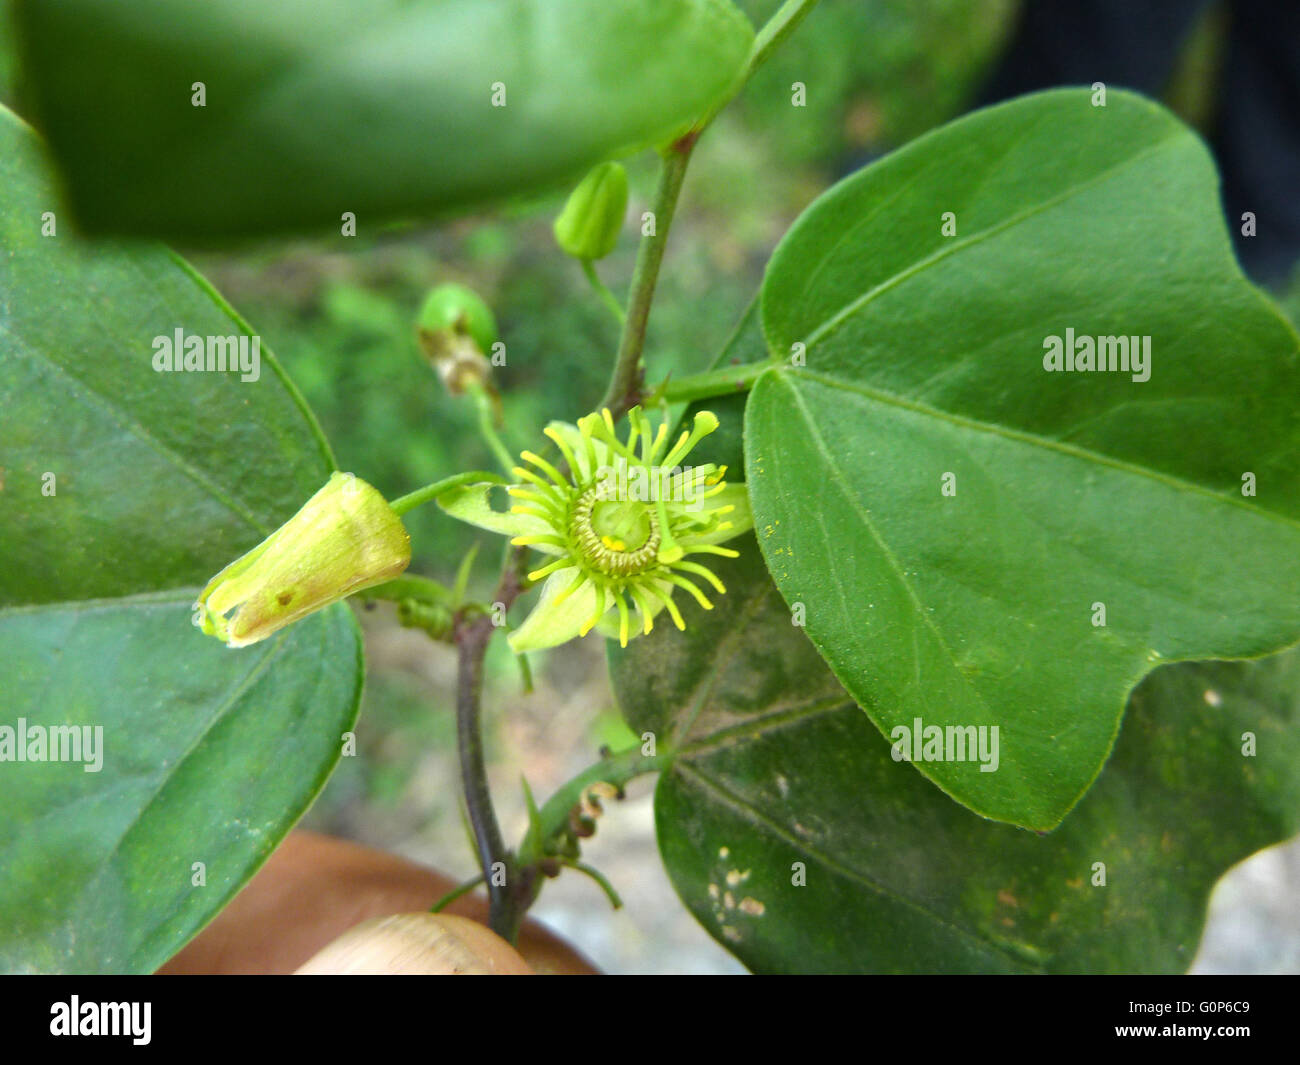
[[318, 107]]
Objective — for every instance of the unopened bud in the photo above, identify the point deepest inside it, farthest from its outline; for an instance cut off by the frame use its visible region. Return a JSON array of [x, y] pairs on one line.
[[592, 219], [458, 309], [344, 539]]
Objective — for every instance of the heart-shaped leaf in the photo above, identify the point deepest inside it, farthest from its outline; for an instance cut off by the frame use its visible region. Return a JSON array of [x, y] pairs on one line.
[[244, 117], [980, 542], [802, 846], [123, 490]]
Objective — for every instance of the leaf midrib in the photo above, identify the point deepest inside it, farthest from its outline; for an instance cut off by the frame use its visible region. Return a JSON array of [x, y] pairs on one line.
[[1022, 436]]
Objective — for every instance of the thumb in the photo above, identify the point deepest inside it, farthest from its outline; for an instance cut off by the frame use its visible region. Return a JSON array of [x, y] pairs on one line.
[[418, 944]]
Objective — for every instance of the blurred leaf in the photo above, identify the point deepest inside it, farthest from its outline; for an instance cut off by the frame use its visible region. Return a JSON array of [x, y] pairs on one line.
[[319, 107], [774, 765], [209, 755], [924, 360]]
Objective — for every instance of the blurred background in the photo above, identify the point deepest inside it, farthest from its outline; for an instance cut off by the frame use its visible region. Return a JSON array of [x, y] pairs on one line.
[[340, 316]]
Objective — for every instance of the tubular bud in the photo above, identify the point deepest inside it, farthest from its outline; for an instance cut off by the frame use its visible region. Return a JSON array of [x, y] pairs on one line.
[[345, 538]]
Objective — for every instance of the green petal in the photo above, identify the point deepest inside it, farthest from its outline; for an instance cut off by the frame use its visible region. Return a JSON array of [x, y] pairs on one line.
[[554, 621], [733, 494], [470, 503], [572, 435], [608, 625]]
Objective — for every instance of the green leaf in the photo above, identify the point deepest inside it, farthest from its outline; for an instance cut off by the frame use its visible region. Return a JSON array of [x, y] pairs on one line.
[[772, 764], [318, 107], [208, 756], [923, 358], [124, 490]]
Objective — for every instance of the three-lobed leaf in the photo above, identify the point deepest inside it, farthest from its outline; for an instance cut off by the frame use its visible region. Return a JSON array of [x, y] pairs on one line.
[[977, 541]]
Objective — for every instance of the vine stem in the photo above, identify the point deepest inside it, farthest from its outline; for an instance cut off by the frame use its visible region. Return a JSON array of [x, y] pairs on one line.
[[429, 492], [509, 901], [777, 29], [483, 404], [616, 769], [456, 893], [606, 297], [624, 389], [510, 887], [782, 23], [625, 383], [471, 648]]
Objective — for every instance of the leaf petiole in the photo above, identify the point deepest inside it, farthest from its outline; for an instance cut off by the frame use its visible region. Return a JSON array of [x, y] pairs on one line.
[[430, 492]]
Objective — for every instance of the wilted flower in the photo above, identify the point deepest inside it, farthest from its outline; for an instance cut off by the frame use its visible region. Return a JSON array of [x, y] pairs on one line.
[[456, 329], [621, 523], [345, 538]]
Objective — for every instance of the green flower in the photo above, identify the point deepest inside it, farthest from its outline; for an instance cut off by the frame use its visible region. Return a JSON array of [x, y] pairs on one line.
[[622, 523], [345, 538]]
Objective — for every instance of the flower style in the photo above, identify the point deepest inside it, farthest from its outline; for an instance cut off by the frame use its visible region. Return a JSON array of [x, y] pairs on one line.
[[345, 538], [621, 523]]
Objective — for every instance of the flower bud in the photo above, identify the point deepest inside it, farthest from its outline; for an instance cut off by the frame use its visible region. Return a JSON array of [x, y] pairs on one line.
[[345, 538], [590, 223]]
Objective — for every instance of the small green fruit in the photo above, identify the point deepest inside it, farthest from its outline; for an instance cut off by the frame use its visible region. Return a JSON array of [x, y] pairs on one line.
[[459, 310]]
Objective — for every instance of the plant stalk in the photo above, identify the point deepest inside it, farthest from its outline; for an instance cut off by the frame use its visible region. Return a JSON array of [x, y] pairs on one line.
[[776, 30], [510, 888], [606, 297], [429, 492], [509, 901], [624, 391], [724, 381], [471, 647]]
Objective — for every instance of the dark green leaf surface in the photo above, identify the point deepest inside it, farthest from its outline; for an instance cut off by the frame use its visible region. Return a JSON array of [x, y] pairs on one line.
[[924, 358], [317, 107], [209, 755], [774, 765]]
